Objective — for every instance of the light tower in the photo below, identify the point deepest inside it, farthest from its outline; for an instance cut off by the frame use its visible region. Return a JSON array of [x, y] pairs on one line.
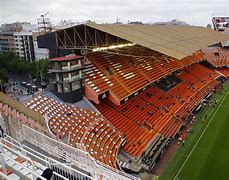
[[44, 24]]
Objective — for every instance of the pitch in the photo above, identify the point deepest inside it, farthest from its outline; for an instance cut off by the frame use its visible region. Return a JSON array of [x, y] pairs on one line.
[[208, 156]]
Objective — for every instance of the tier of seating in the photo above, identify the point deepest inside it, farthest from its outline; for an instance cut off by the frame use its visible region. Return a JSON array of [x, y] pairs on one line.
[[155, 112], [77, 125], [224, 71], [201, 73], [137, 137], [217, 56], [124, 76]]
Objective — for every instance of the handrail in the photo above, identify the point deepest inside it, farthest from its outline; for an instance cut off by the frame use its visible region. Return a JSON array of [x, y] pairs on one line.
[[92, 165], [30, 170], [31, 152]]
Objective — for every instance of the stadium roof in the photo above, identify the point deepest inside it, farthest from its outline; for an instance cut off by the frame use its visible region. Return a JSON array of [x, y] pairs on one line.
[[174, 41]]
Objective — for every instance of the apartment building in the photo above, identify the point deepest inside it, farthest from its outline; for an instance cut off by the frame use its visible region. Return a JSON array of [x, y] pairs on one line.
[[7, 43], [21, 39], [24, 45]]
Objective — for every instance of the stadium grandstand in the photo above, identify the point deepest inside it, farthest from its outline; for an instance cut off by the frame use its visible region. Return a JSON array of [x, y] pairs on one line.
[[218, 55], [141, 84]]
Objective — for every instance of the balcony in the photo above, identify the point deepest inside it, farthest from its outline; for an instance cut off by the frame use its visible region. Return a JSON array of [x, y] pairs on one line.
[[66, 80], [65, 69]]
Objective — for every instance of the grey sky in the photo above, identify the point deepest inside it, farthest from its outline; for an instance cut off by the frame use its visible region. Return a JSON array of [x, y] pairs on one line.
[[196, 12]]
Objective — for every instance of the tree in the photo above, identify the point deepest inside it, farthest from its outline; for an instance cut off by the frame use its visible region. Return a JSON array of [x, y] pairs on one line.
[[42, 69], [14, 65], [3, 75]]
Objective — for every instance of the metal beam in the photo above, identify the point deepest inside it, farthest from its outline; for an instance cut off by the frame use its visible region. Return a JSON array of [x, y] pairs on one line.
[[69, 38], [81, 40]]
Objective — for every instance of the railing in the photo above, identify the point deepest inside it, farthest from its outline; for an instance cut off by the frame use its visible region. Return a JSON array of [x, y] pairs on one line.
[[26, 152], [75, 66], [58, 148], [66, 79], [3, 176], [65, 68], [73, 78], [5, 144], [77, 156]]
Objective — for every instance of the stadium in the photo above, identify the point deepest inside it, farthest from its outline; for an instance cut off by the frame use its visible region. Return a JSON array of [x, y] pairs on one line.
[[130, 92]]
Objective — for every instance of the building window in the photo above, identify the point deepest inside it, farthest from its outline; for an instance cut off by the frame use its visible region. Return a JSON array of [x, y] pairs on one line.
[[59, 88], [75, 75], [65, 66], [66, 77], [76, 85], [75, 64], [66, 88]]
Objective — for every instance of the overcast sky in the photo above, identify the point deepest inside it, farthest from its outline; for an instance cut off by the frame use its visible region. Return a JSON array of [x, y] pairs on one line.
[[195, 12]]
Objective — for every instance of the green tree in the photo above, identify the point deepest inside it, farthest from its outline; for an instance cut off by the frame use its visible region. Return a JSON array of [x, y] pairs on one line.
[[17, 66], [3, 75], [42, 69]]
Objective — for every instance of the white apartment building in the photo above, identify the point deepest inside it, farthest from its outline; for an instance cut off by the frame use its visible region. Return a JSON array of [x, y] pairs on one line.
[[21, 39]]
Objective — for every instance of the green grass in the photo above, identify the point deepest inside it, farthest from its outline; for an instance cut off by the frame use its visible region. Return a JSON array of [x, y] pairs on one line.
[[210, 156]]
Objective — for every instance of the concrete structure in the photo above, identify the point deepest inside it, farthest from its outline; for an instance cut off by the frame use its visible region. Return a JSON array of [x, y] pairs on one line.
[[66, 78]]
